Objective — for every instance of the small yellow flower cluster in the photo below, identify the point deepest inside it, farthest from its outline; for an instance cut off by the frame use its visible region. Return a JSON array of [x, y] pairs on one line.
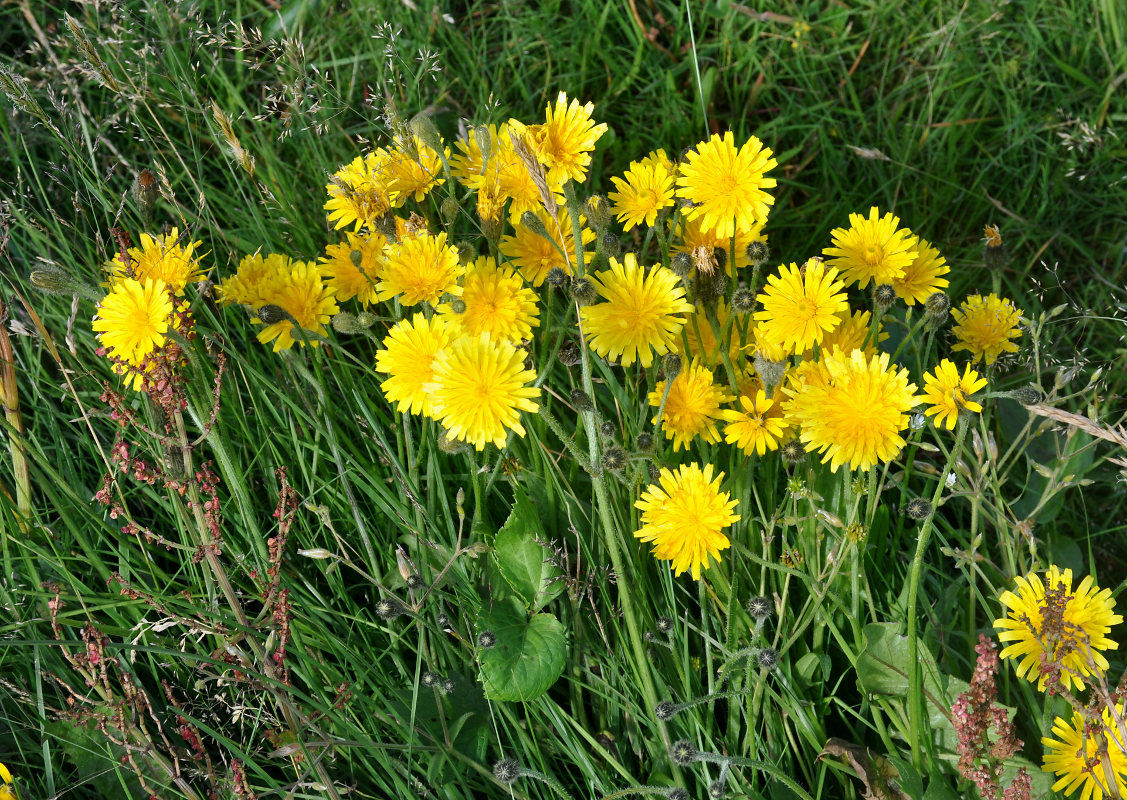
[[1057, 635]]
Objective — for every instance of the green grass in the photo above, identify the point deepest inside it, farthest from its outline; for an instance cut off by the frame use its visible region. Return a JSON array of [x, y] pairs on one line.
[[953, 115]]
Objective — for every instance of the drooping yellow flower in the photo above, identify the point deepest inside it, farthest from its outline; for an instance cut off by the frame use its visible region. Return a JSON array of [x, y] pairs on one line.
[[412, 170], [755, 428], [480, 387], [496, 301], [645, 189], [410, 349], [535, 256], [305, 298], [132, 322], [985, 326], [684, 515], [351, 268], [856, 412], [875, 249], [692, 408], [161, 258], [1082, 755], [358, 192], [1069, 629], [698, 339], [255, 276], [923, 277], [946, 393], [726, 186], [642, 313], [420, 269], [800, 306], [691, 236], [564, 142]]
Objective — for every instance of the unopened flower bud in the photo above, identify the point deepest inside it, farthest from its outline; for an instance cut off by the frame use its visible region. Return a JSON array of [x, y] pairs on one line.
[[346, 324], [1027, 395], [484, 141], [612, 247], [665, 710], [583, 291], [449, 445], [936, 307], [681, 263], [757, 253], [918, 508], [582, 401], [533, 222], [770, 372], [450, 210], [415, 583], [388, 608], [759, 607], [56, 280], [422, 126], [570, 353], [671, 365], [653, 471], [792, 452], [457, 305], [466, 254], [146, 190], [683, 752], [486, 640], [506, 771], [743, 301], [431, 679], [767, 658], [884, 295], [996, 256], [366, 319], [608, 429], [598, 212], [664, 625], [556, 277], [272, 314], [356, 257], [644, 442], [614, 459]]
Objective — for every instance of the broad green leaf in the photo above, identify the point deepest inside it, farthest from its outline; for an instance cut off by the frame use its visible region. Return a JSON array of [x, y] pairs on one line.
[[522, 561], [529, 655]]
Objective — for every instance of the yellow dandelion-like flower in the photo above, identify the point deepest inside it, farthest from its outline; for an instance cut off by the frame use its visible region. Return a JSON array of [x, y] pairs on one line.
[[875, 249], [490, 204], [413, 170], [800, 306], [305, 298], [468, 163], [985, 326], [358, 192], [855, 417], [684, 515], [726, 185], [765, 345], [564, 142], [698, 338], [1078, 623], [255, 276], [161, 258], [692, 408], [351, 268], [851, 334], [420, 269], [535, 256], [643, 191], [923, 277], [947, 393], [754, 429], [132, 323], [496, 302], [643, 313], [1076, 757], [691, 237], [480, 387], [410, 349]]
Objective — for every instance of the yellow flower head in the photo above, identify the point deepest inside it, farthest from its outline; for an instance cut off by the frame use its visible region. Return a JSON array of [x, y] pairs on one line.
[[1083, 754], [420, 269], [726, 186], [496, 302], [413, 170], [255, 275], [851, 334], [754, 428], [6, 790], [535, 256], [691, 236], [1050, 625], [564, 142], [351, 268], [923, 277], [469, 162], [305, 298], [480, 387], [855, 411], [358, 192], [684, 515], [946, 393], [161, 258], [800, 306], [874, 249], [132, 322], [410, 349], [984, 327], [645, 190], [692, 408], [643, 313]]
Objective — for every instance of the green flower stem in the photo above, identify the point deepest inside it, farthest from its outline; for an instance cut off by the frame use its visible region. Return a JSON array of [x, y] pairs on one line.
[[567, 439], [573, 211], [639, 790], [762, 766], [915, 673]]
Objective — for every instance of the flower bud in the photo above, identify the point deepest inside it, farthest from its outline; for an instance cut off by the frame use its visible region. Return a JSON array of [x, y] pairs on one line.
[[936, 307], [582, 401], [683, 752], [743, 301], [884, 295], [759, 607], [598, 212], [681, 263], [767, 658], [665, 710], [486, 640], [450, 210], [918, 508], [570, 353], [757, 253], [506, 771], [671, 365], [644, 442], [614, 459], [583, 291], [345, 323], [556, 277], [422, 126]]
